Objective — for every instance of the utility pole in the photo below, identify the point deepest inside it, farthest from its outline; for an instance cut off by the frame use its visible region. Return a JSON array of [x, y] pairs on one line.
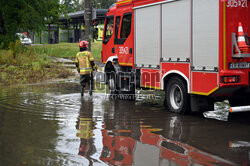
[[87, 19]]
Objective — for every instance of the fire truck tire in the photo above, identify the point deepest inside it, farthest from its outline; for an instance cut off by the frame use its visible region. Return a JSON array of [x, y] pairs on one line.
[[176, 97], [112, 85], [115, 93]]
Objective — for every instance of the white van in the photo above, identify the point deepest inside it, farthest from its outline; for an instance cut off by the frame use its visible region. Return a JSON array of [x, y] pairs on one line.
[[24, 39]]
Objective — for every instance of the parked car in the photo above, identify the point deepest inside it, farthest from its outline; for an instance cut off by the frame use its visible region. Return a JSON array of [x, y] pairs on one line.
[[24, 39]]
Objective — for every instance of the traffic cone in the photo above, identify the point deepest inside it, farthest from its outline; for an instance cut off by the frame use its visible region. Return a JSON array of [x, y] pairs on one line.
[[244, 48]]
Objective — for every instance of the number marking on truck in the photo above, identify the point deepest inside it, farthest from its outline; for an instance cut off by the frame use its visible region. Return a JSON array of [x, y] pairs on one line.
[[237, 3], [123, 50]]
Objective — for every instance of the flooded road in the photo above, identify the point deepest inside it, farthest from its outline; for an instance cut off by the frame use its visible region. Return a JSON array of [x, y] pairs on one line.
[[52, 125]]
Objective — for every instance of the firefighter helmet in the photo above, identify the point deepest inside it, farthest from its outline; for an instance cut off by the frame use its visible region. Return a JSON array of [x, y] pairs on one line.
[[83, 44]]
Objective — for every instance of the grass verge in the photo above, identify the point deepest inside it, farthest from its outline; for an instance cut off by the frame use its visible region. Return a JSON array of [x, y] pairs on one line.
[[21, 65], [66, 50]]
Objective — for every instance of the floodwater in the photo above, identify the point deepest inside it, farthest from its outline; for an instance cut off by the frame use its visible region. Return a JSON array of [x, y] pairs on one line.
[[51, 125]]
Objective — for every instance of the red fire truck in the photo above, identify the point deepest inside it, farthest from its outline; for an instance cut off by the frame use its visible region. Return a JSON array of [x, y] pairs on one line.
[[197, 51]]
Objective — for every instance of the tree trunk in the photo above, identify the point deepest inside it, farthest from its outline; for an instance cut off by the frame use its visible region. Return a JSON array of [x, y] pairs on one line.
[[87, 18], [49, 34], [40, 36], [2, 26], [68, 33]]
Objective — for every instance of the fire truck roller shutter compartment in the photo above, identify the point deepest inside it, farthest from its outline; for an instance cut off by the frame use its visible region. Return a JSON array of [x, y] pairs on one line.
[[205, 34], [147, 36], [176, 33]]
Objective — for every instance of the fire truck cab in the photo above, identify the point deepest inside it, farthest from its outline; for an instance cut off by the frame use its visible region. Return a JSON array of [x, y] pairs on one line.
[[197, 51]]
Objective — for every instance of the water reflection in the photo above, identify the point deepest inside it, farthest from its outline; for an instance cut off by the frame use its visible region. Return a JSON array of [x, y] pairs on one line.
[[130, 137], [85, 127], [30, 121], [118, 143], [52, 125]]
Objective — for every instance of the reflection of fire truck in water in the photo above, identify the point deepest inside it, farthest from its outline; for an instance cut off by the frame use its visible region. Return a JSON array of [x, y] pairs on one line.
[[197, 51], [131, 137], [123, 150], [130, 142], [117, 150]]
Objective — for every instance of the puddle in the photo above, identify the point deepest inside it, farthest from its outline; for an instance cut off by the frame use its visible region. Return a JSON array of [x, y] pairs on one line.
[[52, 125]]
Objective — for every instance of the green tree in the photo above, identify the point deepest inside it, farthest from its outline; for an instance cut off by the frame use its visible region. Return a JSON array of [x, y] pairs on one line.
[[98, 4], [102, 4], [70, 5], [25, 15]]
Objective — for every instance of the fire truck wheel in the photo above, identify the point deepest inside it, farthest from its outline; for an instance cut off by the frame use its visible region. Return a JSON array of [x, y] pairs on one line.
[[176, 97], [112, 85]]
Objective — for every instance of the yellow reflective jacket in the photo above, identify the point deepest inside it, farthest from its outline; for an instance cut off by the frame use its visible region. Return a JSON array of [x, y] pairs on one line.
[[83, 60]]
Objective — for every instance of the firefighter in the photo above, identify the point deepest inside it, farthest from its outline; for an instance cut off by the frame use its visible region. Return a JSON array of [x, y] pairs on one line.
[[110, 30], [85, 65], [95, 33]]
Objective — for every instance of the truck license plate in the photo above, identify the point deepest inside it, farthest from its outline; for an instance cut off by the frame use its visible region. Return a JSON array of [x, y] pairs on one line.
[[241, 65]]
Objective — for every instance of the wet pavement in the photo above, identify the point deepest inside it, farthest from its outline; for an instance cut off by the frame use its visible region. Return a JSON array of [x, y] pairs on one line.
[[50, 124]]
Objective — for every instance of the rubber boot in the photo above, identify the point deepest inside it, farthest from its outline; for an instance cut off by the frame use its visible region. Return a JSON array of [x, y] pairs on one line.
[[90, 92], [82, 91], [91, 85]]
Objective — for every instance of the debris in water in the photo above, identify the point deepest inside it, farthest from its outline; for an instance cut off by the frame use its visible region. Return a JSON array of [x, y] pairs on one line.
[[238, 144], [217, 114]]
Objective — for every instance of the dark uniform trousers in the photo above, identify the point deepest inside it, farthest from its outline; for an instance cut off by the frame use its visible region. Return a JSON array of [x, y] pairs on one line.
[[87, 79]]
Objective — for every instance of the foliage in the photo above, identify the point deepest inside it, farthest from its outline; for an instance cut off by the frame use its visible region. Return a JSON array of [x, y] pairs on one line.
[[98, 4], [14, 56], [70, 5], [102, 4], [27, 66], [25, 16]]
